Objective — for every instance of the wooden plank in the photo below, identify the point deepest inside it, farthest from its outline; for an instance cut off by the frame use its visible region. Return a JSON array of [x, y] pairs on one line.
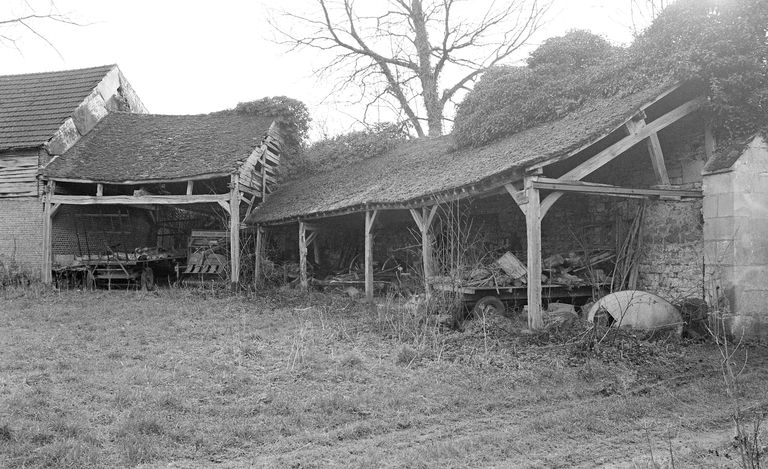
[[18, 179], [533, 231], [224, 204], [370, 218], [234, 231], [612, 152], [303, 280], [139, 199], [258, 280], [605, 189], [311, 237]]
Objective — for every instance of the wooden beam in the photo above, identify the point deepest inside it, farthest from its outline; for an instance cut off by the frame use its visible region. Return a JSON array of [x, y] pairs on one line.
[[654, 150], [46, 269], [190, 187], [370, 218], [224, 204], [133, 182], [138, 199], [303, 280], [311, 237], [234, 231], [533, 231], [99, 190], [609, 154], [608, 190], [258, 280], [519, 195]]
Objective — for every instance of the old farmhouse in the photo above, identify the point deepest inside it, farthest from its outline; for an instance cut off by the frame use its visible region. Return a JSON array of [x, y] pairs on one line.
[[634, 179]]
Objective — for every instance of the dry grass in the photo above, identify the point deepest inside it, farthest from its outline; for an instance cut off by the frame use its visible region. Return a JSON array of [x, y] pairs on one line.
[[125, 379]]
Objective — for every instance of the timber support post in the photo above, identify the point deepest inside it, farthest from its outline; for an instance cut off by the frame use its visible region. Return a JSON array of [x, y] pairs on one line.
[[257, 266], [303, 280], [424, 223], [46, 274], [370, 218], [533, 231], [528, 199], [234, 230]]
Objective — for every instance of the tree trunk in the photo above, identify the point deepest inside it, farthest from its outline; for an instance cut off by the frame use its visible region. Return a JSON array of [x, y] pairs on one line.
[[426, 72]]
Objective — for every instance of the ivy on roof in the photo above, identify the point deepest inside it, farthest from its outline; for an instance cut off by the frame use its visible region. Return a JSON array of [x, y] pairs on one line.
[[722, 44]]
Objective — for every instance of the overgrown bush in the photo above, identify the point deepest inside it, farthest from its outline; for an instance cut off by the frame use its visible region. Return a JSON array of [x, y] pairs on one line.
[[341, 150], [723, 45]]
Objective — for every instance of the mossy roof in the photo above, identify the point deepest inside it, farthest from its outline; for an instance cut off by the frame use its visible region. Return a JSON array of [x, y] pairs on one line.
[[429, 166]]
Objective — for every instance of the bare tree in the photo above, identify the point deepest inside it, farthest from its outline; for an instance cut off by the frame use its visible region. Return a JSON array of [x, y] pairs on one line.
[[399, 52], [30, 18], [643, 12]]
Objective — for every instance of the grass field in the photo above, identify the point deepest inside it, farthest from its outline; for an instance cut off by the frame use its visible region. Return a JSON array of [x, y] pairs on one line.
[[188, 379]]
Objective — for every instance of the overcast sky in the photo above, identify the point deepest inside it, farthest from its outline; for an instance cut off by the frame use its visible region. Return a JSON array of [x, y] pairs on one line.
[[190, 56]]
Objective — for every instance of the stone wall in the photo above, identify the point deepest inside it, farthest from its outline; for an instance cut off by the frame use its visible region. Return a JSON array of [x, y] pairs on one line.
[[21, 233], [736, 223], [671, 265]]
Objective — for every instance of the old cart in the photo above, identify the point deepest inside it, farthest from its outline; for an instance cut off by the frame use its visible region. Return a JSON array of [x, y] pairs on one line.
[[498, 298]]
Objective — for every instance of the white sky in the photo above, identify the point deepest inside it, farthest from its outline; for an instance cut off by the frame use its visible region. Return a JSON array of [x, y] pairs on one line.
[[194, 56]]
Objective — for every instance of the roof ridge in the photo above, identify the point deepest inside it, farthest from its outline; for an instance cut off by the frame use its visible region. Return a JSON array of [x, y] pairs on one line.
[[54, 72]]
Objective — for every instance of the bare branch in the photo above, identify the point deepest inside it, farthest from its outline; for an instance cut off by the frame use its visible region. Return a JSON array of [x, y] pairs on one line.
[[397, 52]]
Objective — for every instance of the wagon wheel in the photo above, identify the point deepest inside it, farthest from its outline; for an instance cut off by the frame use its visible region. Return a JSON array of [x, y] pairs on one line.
[[147, 279], [487, 305]]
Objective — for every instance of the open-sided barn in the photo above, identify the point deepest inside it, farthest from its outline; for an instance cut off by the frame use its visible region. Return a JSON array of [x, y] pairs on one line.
[[564, 186]]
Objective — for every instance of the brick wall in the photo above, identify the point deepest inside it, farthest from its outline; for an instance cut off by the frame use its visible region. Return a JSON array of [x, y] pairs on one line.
[[21, 232], [78, 230]]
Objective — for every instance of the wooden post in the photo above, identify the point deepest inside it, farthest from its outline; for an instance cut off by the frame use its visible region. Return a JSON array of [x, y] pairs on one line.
[[47, 265], [533, 230], [234, 230], [99, 190], [257, 267], [304, 282], [424, 222], [190, 187], [370, 218]]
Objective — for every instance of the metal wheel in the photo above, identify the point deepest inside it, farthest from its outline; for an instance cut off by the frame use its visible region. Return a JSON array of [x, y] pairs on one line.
[[487, 305]]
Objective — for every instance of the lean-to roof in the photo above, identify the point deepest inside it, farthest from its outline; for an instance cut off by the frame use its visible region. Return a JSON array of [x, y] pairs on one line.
[[430, 166], [126, 147]]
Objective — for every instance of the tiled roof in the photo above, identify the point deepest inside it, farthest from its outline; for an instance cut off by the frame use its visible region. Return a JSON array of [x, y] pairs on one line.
[[33, 106], [427, 166], [145, 147]]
